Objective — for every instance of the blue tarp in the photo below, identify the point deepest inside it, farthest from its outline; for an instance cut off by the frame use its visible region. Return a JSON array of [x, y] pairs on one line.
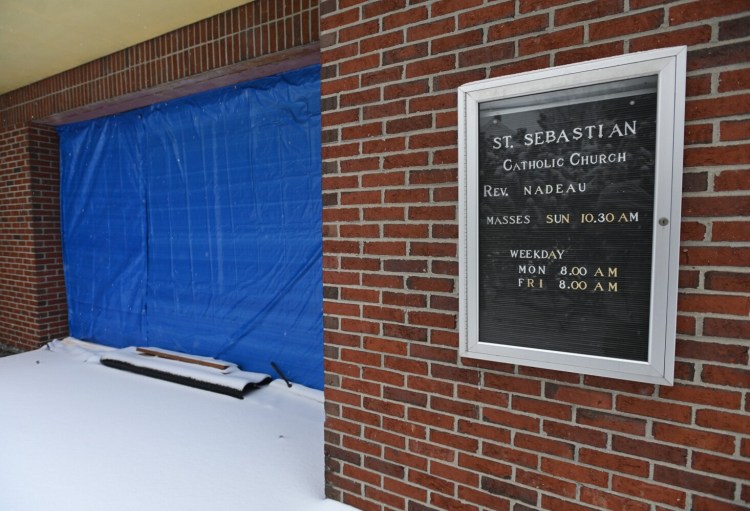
[[195, 225]]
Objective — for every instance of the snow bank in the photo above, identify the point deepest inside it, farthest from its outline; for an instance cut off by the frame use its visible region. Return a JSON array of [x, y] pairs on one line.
[[75, 435]]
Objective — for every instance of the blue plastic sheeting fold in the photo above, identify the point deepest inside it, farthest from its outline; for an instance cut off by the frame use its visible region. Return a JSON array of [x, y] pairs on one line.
[[195, 225]]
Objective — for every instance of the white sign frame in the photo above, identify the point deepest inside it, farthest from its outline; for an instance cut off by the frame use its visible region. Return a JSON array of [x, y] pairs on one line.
[[669, 66]]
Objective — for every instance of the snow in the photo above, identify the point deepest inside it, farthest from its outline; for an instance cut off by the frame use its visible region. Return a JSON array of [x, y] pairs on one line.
[[76, 435]]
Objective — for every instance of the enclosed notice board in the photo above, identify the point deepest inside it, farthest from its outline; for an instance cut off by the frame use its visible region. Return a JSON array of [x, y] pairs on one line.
[[570, 192]]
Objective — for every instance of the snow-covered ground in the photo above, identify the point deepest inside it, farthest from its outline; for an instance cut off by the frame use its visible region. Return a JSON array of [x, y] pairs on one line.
[[77, 436]]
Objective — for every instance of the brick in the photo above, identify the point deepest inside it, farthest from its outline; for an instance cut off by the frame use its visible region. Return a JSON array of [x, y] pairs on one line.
[[700, 395], [704, 9], [405, 53], [510, 419], [405, 266], [688, 36], [431, 450], [359, 164], [715, 56], [444, 502], [486, 54], [450, 81], [513, 384], [376, 280], [650, 450], [407, 332], [383, 145], [695, 182], [575, 433], [432, 140], [611, 421], [732, 354], [574, 472], [430, 66], [521, 66], [721, 466], [551, 41], [728, 281], [484, 499], [538, 5], [330, 55], [455, 41], [589, 53], [654, 408], [701, 503], [611, 501], [380, 180], [730, 180], [718, 107], [695, 438], [631, 387], [735, 130], [340, 18], [514, 28], [380, 42], [579, 396], [381, 76], [404, 299], [734, 28], [693, 481], [543, 408], [480, 16], [724, 421], [432, 319], [648, 491], [508, 489], [718, 256], [442, 7], [361, 97], [624, 25], [384, 110], [406, 89], [686, 325], [692, 231], [361, 197], [614, 462], [546, 483], [399, 161], [730, 81], [698, 85], [718, 304], [493, 398], [549, 374], [587, 11], [433, 176], [459, 442], [408, 17], [358, 31], [380, 7], [432, 103], [405, 426], [545, 445], [735, 329], [430, 30], [362, 131]]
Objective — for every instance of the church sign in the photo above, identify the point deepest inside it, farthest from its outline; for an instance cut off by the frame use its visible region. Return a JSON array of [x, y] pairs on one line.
[[570, 190]]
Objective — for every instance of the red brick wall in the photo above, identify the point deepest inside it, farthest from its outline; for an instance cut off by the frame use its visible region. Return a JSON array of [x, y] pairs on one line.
[[32, 289], [254, 39], [410, 425]]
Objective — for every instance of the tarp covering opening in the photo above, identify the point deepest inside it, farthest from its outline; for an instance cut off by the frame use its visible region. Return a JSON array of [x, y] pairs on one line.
[[195, 225]]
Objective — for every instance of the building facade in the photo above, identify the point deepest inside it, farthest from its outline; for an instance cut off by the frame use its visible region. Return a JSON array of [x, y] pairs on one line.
[[410, 424]]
